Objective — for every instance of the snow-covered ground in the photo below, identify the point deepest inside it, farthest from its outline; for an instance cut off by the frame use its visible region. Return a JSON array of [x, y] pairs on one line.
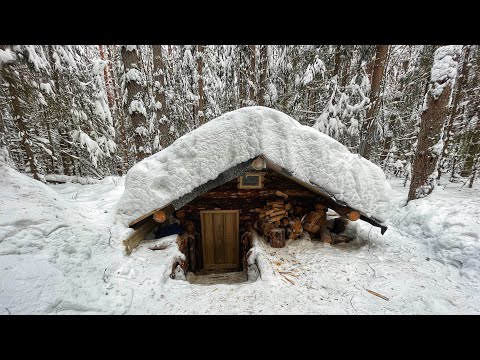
[[61, 253]]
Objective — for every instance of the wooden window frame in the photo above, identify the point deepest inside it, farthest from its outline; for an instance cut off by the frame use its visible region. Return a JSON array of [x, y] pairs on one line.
[[260, 183]]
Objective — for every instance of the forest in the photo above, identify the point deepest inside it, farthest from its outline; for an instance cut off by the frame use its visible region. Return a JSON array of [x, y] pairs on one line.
[[81, 113]]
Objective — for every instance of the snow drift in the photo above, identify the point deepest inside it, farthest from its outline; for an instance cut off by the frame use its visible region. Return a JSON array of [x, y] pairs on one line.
[[243, 134]]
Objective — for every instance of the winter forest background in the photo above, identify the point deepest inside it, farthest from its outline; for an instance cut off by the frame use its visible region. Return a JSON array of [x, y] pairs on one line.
[[81, 112]]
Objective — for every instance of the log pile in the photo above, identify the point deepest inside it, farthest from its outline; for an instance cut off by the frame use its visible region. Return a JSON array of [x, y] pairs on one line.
[[282, 217], [186, 244]]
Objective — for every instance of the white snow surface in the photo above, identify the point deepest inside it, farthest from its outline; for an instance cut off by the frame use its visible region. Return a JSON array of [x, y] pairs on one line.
[[243, 134], [61, 253]]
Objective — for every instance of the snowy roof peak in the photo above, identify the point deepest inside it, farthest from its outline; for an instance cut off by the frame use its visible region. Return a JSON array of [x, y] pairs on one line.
[[241, 135]]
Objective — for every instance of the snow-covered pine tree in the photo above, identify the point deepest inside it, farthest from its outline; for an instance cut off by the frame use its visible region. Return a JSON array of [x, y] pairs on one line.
[[434, 114], [133, 102], [163, 135]]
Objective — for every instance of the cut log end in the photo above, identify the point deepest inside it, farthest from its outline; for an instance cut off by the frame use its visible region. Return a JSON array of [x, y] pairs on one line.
[[353, 215]]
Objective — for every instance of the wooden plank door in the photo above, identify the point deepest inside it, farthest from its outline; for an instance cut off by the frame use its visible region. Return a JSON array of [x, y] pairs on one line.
[[220, 241]]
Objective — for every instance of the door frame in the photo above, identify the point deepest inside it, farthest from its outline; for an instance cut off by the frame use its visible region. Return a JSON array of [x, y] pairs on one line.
[[221, 267]]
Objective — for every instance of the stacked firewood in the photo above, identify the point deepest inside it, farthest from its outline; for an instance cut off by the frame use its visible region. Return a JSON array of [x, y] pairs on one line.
[[278, 214], [282, 214]]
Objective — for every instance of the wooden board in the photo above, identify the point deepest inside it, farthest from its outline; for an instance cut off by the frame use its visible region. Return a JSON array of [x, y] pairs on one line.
[[220, 243], [139, 235]]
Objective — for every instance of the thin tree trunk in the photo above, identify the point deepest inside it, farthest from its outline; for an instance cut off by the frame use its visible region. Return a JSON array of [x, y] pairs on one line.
[[473, 142], [474, 171], [337, 58], [107, 77], [388, 142], [201, 94], [367, 126], [135, 106], [49, 134], [18, 117], [263, 74], [67, 161], [432, 120], [21, 126], [252, 75], [118, 109], [447, 136], [161, 103], [346, 69]]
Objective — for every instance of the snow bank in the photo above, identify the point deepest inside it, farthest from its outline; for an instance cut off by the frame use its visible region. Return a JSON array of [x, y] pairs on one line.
[[449, 222], [243, 134]]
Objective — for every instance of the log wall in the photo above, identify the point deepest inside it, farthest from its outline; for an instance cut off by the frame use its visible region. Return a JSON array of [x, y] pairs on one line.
[[228, 197]]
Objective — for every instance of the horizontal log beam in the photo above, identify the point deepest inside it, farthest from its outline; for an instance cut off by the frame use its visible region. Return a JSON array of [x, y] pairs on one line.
[[246, 194], [139, 235]]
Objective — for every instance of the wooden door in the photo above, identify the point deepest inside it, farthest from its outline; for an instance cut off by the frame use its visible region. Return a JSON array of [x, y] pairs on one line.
[[220, 241]]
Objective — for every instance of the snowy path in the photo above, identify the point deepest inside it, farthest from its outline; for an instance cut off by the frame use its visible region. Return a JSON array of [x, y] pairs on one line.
[[60, 253]]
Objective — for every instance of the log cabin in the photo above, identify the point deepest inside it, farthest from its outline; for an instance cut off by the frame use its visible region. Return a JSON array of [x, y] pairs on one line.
[[259, 181]]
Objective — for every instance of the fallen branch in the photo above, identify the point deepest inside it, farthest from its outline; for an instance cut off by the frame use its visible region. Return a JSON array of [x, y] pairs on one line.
[[377, 294], [290, 281], [159, 247], [288, 272]]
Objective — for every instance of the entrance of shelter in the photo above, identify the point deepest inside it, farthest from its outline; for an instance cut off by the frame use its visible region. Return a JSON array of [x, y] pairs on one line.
[[220, 239]]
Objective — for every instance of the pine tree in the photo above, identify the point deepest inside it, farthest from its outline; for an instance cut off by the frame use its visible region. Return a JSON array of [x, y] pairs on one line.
[[433, 116], [133, 103], [160, 98], [201, 94], [368, 124]]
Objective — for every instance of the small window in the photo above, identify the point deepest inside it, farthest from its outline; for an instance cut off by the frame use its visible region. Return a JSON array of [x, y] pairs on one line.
[[250, 181]]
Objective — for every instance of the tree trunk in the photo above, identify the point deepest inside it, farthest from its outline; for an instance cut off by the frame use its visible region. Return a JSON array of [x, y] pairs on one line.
[[447, 136], [118, 110], [474, 171], [251, 83], [201, 94], [160, 100], [432, 120], [473, 149], [49, 134], [338, 53], [8, 74], [367, 126], [134, 106], [346, 68], [263, 74], [21, 126], [106, 77], [388, 142], [472, 137]]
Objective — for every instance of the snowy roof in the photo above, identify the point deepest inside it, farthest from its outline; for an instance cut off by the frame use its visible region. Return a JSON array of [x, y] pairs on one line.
[[240, 135]]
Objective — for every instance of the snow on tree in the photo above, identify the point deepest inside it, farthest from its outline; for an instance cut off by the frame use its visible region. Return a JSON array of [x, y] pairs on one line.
[[430, 143]]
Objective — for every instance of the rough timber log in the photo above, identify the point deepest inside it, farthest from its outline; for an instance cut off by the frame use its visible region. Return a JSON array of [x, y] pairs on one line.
[[314, 221], [262, 194], [277, 238], [139, 234]]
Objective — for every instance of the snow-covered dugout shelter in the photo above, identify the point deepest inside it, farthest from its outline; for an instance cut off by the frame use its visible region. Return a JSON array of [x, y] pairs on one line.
[[220, 178]]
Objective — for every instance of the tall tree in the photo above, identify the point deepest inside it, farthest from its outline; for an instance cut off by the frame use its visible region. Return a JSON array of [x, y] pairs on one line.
[[134, 104], [263, 74], [160, 99], [447, 133], [201, 94], [368, 124], [252, 75], [14, 84], [432, 120]]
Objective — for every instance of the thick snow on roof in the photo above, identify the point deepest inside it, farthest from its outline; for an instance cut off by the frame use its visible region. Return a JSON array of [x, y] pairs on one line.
[[243, 134]]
